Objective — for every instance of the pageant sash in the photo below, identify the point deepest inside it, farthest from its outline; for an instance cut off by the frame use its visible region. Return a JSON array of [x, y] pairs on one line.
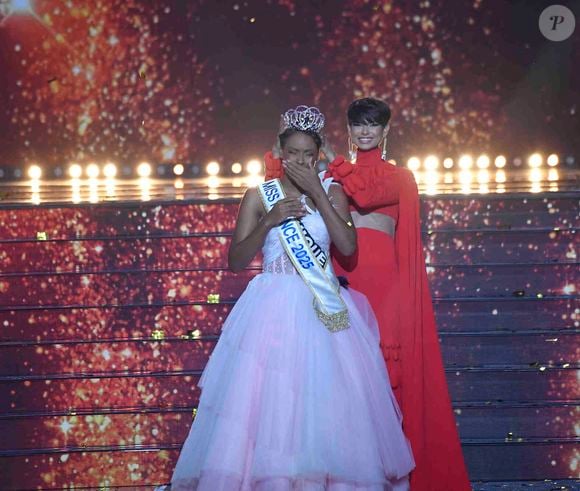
[[311, 262]]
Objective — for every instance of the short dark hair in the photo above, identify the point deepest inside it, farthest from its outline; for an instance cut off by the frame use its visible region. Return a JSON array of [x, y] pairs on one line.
[[368, 110], [288, 132]]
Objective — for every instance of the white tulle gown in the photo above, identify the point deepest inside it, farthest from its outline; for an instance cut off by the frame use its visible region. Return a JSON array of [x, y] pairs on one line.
[[288, 405]]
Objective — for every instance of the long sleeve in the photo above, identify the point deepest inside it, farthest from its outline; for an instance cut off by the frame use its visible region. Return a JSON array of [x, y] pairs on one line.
[[369, 184], [274, 167]]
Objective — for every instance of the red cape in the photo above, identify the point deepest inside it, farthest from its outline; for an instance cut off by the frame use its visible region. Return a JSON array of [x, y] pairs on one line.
[[428, 419]]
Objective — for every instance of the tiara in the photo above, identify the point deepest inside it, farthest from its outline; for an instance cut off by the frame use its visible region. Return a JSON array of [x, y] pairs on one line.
[[304, 118]]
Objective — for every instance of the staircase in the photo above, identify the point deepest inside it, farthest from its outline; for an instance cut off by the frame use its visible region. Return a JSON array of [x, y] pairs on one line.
[[108, 314]]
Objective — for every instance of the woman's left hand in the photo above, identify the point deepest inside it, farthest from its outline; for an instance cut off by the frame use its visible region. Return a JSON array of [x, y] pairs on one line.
[[305, 177]]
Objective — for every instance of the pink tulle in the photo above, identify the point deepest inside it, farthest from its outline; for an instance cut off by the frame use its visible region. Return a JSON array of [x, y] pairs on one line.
[[288, 405]]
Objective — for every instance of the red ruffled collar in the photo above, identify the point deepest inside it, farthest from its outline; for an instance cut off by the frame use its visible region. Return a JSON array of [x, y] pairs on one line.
[[367, 158]]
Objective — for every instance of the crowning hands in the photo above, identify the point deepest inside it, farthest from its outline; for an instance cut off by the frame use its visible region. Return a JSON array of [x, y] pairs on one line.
[[327, 149]]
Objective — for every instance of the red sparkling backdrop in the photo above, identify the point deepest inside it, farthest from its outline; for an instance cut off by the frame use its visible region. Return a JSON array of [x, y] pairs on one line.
[[105, 328]]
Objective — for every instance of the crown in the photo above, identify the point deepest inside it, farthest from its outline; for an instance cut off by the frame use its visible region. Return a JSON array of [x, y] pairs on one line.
[[304, 118]]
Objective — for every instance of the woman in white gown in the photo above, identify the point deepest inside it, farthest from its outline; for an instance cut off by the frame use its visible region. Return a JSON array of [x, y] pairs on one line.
[[289, 402]]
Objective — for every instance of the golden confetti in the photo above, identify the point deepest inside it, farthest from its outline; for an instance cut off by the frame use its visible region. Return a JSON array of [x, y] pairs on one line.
[[158, 334], [193, 334], [213, 298], [41, 236]]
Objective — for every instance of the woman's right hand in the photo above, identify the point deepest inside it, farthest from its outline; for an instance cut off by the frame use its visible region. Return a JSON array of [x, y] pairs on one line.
[[283, 210], [327, 149]]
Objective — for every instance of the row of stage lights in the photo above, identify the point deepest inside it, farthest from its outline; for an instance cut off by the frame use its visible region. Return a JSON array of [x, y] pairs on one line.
[[466, 162], [145, 170], [254, 167]]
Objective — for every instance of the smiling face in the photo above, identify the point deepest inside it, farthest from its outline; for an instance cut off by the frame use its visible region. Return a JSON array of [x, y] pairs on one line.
[[368, 122], [367, 135], [300, 148]]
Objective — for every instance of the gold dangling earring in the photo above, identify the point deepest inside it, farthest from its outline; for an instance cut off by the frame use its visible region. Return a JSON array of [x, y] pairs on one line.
[[351, 150], [384, 152]]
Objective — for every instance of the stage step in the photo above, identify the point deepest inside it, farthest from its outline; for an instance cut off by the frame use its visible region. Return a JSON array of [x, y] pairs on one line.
[[455, 315], [106, 326], [32, 291], [69, 222], [203, 251], [474, 349]]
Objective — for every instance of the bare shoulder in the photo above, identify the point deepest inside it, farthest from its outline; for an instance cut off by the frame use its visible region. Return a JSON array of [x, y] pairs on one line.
[[251, 195], [252, 202]]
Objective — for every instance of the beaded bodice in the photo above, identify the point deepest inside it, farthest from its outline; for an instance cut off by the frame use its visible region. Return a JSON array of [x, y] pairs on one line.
[[275, 257]]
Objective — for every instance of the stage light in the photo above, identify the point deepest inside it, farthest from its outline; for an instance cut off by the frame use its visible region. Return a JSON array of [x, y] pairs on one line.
[[145, 187], [553, 160], [465, 177], [553, 175], [178, 184], [413, 163], [213, 168], [483, 176], [431, 163], [465, 162], [75, 171], [110, 188], [144, 169], [483, 162], [178, 169], [213, 182], [254, 167], [254, 180], [236, 168], [58, 171], [500, 162], [448, 163], [500, 176], [570, 160], [431, 179], [110, 170], [535, 160], [93, 190], [535, 174], [34, 172], [93, 171], [76, 190], [517, 161]]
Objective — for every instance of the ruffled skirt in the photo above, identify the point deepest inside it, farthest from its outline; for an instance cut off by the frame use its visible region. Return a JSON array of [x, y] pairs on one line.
[[288, 405]]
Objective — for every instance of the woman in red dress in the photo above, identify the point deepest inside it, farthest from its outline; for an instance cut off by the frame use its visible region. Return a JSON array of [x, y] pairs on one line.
[[389, 268]]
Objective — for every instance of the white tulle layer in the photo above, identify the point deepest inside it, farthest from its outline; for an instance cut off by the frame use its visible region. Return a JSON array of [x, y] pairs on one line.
[[288, 405]]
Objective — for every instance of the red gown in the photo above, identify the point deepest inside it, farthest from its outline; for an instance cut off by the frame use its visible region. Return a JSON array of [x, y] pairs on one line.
[[391, 273]]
